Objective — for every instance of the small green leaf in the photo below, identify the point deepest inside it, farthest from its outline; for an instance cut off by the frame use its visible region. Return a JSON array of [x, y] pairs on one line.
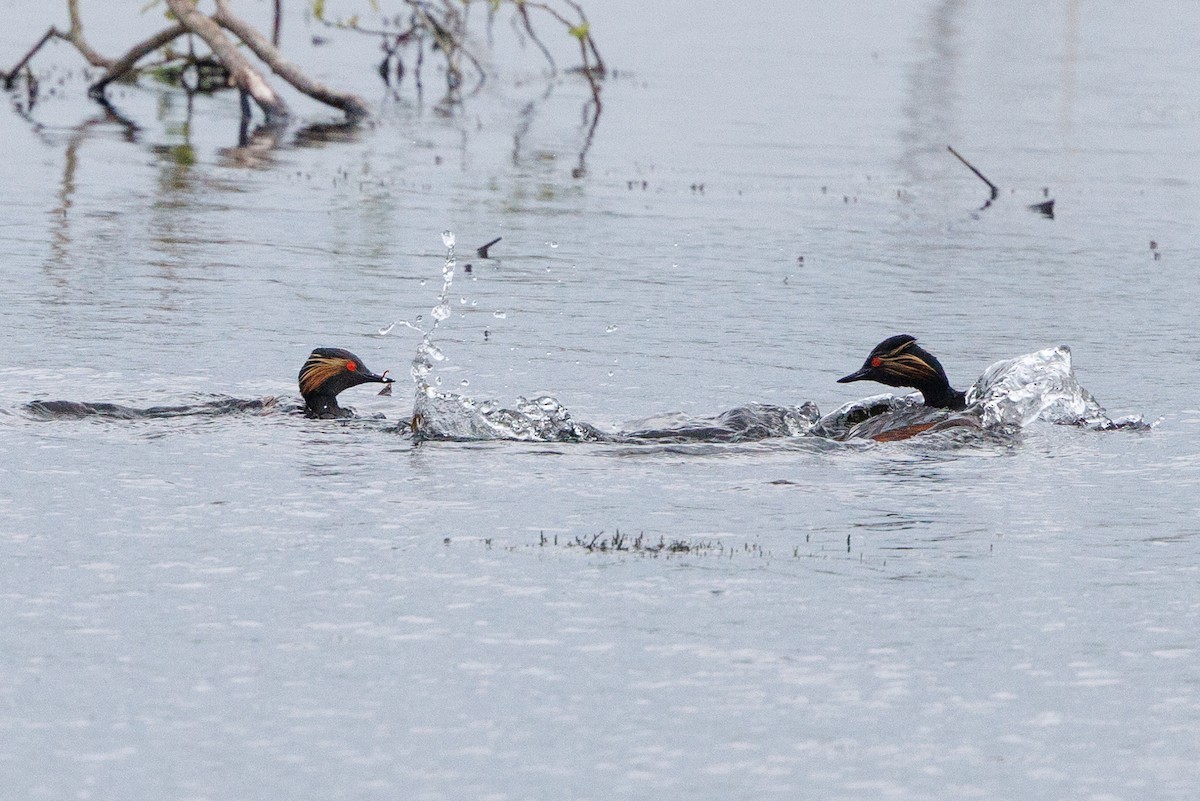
[[579, 31], [183, 155], [318, 9]]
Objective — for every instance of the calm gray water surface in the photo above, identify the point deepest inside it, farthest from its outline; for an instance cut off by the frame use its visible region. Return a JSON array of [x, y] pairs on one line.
[[259, 606]]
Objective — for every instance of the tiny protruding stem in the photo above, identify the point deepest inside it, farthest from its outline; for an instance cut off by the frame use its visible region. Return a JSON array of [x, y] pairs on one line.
[[276, 28]]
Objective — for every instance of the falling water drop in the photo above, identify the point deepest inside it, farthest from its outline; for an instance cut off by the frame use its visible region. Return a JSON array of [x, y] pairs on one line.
[[383, 332], [499, 315], [448, 238], [553, 244]]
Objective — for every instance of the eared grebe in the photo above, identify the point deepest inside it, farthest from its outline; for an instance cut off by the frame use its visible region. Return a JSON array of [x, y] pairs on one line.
[[327, 372], [899, 362]]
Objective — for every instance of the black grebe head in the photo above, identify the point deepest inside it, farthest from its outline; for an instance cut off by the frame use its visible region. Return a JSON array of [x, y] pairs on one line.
[[327, 372], [900, 362]]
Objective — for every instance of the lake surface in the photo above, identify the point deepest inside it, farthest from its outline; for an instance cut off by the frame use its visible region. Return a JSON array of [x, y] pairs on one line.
[[261, 606]]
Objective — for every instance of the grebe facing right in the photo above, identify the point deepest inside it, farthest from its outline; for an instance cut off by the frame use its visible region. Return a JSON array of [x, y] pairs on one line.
[[327, 372]]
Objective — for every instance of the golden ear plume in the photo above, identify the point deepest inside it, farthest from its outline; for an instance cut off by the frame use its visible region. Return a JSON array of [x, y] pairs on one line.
[[317, 370], [909, 364]]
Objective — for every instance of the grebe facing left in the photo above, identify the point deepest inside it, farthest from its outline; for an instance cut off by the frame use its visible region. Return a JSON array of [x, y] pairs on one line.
[[899, 362]]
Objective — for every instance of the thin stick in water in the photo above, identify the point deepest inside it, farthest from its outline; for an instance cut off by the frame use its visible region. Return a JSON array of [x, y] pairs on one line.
[[971, 167]]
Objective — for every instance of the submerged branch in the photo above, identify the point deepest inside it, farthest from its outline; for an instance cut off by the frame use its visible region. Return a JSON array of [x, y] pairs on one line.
[[241, 72], [1045, 208], [981, 176], [11, 75], [354, 106], [74, 35], [437, 26]]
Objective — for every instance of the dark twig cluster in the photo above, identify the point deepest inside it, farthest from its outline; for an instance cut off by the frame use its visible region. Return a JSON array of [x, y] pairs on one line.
[[442, 27], [237, 53], [639, 544]]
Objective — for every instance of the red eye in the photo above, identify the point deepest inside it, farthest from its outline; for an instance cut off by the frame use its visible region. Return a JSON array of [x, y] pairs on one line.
[[351, 366], [876, 361]]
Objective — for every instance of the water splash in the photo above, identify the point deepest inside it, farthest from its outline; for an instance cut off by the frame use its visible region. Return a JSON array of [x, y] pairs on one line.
[[1039, 386], [428, 353], [205, 406], [1009, 396], [750, 423], [448, 416]]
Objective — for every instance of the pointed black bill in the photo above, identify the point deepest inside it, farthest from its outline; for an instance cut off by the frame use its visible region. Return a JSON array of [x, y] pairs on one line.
[[861, 375]]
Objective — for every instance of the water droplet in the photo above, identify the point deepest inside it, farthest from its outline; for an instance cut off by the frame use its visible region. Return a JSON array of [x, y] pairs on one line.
[[609, 329], [420, 317], [499, 315], [448, 238], [462, 301], [423, 280], [383, 332], [464, 383], [440, 312], [553, 244]]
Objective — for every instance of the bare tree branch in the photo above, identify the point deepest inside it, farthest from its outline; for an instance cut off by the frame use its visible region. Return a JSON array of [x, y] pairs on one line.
[[125, 63], [354, 106], [243, 75], [75, 37], [11, 75]]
